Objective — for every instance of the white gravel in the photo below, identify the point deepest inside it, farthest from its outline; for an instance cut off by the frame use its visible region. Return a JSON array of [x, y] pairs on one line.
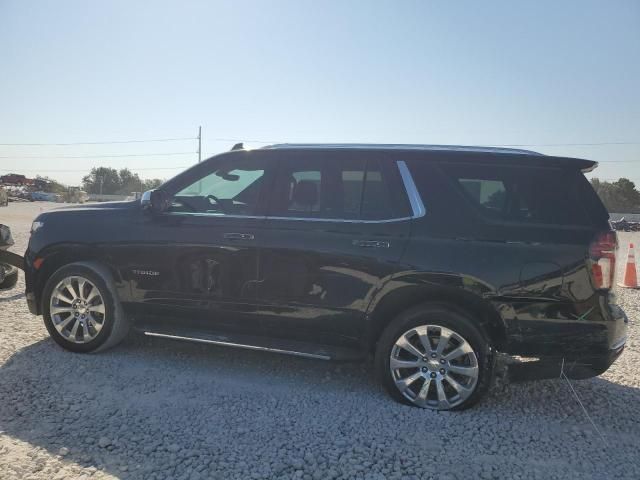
[[154, 409]]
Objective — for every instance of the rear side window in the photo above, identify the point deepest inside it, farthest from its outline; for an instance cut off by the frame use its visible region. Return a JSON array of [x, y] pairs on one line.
[[520, 194], [490, 194], [326, 186]]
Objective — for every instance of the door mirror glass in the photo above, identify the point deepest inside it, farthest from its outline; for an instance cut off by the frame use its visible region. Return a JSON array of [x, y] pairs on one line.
[[155, 201]]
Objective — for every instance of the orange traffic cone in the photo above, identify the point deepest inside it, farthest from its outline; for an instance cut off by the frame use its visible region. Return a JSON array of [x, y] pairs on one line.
[[630, 275]]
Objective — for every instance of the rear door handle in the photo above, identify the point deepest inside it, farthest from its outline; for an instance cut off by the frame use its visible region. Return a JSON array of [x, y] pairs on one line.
[[371, 244], [238, 236]]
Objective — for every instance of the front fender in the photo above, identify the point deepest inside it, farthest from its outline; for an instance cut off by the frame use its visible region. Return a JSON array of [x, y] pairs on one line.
[[56, 256]]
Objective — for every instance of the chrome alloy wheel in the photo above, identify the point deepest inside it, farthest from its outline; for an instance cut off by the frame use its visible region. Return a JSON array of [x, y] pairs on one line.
[[434, 367], [77, 309]]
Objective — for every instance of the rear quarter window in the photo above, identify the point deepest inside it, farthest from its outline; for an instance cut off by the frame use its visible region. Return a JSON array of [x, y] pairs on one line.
[[530, 195]]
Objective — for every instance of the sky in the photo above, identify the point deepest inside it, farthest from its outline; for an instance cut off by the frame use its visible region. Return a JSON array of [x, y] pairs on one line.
[[468, 73]]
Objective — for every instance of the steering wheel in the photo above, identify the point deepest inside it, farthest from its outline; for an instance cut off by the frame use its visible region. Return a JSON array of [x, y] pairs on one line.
[[214, 198], [215, 201]]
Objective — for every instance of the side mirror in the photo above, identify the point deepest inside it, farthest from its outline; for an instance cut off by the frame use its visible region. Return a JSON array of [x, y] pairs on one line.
[[155, 201]]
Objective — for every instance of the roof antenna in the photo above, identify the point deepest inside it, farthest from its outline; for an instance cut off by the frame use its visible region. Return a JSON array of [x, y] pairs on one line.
[[238, 146]]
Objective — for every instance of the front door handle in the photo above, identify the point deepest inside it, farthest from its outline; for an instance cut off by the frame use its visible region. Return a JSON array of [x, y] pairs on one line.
[[371, 244], [238, 236]]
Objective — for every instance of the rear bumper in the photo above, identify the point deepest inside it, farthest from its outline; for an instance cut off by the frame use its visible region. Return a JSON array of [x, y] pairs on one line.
[[577, 368], [574, 365]]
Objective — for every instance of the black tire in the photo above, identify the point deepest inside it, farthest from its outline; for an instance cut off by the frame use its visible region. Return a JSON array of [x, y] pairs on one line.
[[115, 325], [10, 278], [441, 315]]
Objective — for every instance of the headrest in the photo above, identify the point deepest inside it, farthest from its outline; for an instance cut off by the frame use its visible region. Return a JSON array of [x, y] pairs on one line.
[[305, 193]]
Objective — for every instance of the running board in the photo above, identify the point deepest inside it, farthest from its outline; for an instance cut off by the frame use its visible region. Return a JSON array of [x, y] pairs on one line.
[[239, 345], [249, 342]]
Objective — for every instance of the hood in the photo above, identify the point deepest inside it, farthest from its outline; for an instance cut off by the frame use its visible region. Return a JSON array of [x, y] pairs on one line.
[[91, 212], [125, 205]]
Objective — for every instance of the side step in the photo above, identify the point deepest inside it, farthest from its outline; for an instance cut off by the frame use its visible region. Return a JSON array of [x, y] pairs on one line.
[[251, 342]]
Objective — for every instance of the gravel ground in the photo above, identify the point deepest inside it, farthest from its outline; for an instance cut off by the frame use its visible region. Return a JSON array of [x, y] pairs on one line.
[[159, 409]]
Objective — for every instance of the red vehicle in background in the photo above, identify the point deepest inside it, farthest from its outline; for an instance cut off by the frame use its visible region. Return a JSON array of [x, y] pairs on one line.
[[15, 179]]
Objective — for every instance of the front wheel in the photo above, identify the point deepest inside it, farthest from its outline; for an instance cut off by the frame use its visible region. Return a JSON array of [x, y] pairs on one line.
[[81, 310], [434, 357]]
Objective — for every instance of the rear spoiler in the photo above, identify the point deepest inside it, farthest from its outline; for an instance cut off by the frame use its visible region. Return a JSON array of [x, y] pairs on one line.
[[581, 164]]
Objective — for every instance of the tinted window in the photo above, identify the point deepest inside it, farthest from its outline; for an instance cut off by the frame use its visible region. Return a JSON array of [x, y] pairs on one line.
[[376, 204], [232, 188], [323, 186], [529, 195], [309, 180], [490, 194]]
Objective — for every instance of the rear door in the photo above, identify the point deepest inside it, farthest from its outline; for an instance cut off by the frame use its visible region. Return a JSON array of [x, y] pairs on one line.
[[337, 224]]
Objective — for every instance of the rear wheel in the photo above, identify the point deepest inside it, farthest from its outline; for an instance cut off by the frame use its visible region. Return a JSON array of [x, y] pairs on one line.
[[434, 357], [81, 310]]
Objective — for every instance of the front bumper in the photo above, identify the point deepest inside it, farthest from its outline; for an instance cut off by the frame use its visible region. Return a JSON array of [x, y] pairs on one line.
[[32, 304]]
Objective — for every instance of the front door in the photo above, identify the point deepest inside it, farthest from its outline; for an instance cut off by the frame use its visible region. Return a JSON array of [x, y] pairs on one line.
[[198, 267], [335, 231]]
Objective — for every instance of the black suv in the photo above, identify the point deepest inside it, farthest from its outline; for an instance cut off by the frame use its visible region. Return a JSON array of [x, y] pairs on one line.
[[446, 263]]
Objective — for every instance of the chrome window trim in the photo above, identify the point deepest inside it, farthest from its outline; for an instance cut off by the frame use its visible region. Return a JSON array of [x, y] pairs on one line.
[[412, 191], [216, 215], [339, 220], [297, 219]]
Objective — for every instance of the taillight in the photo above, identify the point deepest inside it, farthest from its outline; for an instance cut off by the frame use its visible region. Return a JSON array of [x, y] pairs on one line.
[[602, 253]]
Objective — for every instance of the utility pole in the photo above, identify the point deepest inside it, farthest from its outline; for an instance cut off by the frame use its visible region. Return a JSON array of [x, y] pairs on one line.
[[199, 144], [101, 177]]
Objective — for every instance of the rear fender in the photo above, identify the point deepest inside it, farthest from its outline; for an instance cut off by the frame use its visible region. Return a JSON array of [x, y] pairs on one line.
[[466, 294]]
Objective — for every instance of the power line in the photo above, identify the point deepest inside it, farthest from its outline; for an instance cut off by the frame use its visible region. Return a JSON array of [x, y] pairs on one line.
[[235, 139], [245, 140], [87, 169], [97, 143], [103, 156]]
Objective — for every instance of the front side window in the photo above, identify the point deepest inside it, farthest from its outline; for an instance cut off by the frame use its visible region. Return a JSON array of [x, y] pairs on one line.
[[232, 188]]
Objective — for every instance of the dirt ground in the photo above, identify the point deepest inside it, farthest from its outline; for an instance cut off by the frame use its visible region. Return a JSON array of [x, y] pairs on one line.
[[153, 409]]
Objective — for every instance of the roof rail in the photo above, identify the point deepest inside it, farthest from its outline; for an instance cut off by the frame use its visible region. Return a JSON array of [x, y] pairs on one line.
[[382, 146]]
